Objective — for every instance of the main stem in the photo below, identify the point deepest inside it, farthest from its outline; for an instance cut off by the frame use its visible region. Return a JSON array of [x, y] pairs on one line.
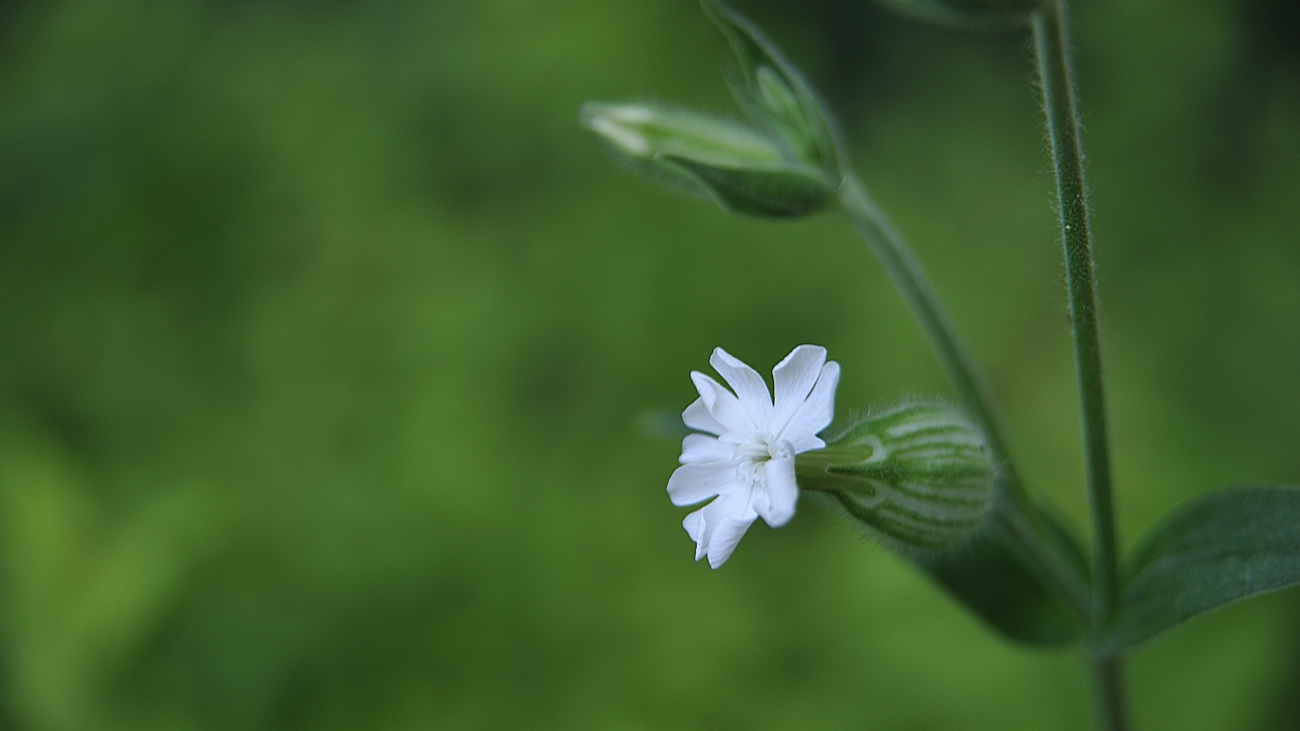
[[1050, 45]]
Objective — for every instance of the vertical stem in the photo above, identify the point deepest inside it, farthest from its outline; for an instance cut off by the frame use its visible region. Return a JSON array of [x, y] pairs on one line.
[[1067, 156], [1109, 672], [1050, 44]]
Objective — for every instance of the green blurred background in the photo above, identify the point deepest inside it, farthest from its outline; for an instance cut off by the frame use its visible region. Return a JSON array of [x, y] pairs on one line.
[[328, 343]]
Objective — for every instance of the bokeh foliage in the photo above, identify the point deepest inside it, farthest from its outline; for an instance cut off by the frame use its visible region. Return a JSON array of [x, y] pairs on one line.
[[328, 344]]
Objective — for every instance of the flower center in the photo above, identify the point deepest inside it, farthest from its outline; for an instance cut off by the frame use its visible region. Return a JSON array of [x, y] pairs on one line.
[[754, 456]]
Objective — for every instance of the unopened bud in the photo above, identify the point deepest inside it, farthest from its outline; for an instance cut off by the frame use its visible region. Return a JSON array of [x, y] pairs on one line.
[[919, 475], [743, 169]]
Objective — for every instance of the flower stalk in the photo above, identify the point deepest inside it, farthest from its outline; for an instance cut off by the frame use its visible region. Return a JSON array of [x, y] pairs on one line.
[[903, 268]]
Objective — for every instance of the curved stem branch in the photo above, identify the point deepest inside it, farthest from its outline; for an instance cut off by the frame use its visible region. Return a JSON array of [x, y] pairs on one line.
[[892, 250]]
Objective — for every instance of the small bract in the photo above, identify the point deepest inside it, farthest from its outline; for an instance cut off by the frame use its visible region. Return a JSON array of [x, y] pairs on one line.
[[744, 460]]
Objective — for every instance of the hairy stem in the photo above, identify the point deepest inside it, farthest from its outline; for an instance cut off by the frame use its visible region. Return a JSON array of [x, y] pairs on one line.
[[1050, 45], [892, 250]]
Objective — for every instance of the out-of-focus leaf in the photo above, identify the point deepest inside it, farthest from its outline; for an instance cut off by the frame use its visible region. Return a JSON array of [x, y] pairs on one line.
[[992, 581], [1214, 550], [977, 15]]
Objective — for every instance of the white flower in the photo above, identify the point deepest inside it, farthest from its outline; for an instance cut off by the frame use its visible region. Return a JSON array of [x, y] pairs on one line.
[[749, 464]]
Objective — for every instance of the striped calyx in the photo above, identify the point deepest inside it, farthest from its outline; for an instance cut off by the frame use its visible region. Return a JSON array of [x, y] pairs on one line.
[[919, 475]]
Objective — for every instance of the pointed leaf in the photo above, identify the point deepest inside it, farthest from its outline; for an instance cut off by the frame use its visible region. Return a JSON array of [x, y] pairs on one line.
[[775, 93], [1213, 550]]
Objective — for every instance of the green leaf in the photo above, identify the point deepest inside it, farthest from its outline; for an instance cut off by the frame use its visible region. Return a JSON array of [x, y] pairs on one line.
[[1213, 550]]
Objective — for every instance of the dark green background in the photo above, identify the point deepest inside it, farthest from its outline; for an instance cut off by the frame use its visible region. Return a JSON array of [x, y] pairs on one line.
[[328, 342]]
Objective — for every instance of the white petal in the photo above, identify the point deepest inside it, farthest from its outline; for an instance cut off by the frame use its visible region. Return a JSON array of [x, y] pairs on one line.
[[724, 407], [782, 492], [694, 525], [704, 448], [692, 483], [748, 385], [816, 413], [724, 537], [793, 378], [717, 527], [697, 416], [699, 525]]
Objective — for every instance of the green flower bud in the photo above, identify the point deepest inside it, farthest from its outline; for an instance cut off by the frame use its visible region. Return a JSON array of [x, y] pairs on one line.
[[743, 169], [776, 95], [970, 14], [920, 476]]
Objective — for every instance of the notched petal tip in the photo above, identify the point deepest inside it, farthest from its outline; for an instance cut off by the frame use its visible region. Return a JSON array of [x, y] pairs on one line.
[[722, 361], [803, 351], [794, 377], [749, 386], [697, 416], [707, 387], [723, 406], [814, 413]]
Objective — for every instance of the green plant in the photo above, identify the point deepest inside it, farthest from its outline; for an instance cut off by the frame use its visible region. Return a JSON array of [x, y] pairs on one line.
[[1002, 556]]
